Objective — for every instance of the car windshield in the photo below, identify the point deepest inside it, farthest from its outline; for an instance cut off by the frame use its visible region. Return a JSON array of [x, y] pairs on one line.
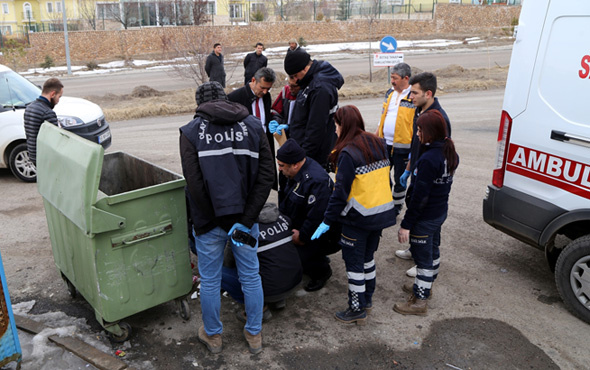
[[16, 90]]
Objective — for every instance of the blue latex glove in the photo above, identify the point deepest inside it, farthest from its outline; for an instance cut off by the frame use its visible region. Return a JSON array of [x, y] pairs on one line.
[[241, 227], [272, 126], [320, 230], [281, 127], [403, 179]]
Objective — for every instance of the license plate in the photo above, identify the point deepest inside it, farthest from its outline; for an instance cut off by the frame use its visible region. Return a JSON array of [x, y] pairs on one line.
[[102, 138]]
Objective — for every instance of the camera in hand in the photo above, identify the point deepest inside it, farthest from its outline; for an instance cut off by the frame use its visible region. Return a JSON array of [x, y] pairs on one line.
[[243, 237]]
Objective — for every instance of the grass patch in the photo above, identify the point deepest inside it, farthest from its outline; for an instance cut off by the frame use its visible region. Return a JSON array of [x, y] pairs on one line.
[[145, 101]]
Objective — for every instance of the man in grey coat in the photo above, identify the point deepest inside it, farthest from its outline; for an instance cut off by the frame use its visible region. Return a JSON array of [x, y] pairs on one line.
[[41, 110], [214, 65]]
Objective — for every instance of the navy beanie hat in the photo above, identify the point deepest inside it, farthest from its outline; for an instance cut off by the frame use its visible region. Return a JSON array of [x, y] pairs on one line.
[[296, 61], [211, 90], [290, 152]]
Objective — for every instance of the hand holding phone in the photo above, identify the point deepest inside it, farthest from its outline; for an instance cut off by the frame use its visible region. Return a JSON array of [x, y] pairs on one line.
[[240, 235]]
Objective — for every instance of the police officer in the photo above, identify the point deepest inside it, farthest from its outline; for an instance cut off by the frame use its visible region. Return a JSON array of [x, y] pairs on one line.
[[304, 199], [280, 268]]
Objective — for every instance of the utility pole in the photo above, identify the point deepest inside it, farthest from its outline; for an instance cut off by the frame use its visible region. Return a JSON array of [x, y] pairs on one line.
[[67, 43]]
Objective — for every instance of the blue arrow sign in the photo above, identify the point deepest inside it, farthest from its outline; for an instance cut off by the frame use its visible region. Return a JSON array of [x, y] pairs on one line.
[[388, 44]]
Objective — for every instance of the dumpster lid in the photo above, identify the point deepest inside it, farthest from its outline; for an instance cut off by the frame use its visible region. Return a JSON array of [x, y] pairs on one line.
[[68, 173]]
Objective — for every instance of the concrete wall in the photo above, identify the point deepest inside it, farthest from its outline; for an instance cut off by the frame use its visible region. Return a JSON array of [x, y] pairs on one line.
[[100, 46]]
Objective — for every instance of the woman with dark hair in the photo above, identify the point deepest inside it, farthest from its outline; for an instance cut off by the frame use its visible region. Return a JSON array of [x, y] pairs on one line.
[[362, 203], [428, 203]]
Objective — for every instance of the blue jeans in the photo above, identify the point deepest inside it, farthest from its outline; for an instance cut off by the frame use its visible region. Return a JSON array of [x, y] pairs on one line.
[[358, 250], [230, 282], [210, 248], [424, 245]]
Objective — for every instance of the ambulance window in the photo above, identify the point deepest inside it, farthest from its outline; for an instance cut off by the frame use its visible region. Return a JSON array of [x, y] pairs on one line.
[[564, 81]]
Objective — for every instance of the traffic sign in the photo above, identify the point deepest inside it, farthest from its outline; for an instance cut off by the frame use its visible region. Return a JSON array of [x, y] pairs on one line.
[[387, 59], [388, 44]]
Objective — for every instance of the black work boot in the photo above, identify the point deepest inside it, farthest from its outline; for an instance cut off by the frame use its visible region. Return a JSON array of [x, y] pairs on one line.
[[349, 316], [317, 284]]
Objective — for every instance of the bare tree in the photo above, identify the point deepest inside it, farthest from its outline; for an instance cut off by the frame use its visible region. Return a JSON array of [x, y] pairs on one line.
[[190, 50], [126, 13], [87, 9], [182, 12], [372, 12], [199, 10]]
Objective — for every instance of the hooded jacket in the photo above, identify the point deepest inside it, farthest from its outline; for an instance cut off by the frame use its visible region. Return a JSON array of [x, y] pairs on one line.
[[312, 124], [280, 266], [227, 165]]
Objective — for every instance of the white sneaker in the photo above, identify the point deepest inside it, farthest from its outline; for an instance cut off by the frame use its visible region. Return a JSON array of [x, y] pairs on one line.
[[412, 272], [404, 254]]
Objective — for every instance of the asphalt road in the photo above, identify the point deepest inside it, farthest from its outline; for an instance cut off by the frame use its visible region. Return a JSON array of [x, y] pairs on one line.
[[495, 304], [351, 64]]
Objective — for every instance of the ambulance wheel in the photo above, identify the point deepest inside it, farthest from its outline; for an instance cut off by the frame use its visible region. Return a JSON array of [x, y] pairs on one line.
[[552, 254], [126, 333], [184, 309], [572, 276]]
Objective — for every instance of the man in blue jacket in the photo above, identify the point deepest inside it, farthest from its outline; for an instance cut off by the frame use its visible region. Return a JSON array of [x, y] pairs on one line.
[[423, 88], [228, 168], [312, 125]]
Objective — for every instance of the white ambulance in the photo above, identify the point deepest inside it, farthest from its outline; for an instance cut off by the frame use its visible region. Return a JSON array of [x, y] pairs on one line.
[[540, 188]]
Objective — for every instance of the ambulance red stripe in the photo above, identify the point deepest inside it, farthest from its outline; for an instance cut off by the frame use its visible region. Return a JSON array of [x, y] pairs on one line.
[[550, 169]]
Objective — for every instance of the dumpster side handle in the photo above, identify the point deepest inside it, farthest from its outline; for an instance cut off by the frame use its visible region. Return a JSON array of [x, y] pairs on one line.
[[139, 240], [103, 221]]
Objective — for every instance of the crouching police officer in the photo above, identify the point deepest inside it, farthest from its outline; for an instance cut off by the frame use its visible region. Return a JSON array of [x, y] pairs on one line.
[[304, 199]]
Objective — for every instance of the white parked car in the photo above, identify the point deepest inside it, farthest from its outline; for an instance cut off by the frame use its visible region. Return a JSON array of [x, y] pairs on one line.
[[80, 116]]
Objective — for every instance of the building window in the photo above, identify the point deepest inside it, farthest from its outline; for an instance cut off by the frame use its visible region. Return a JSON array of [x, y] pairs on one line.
[[28, 13], [6, 30], [257, 7], [235, 10], [49, 7], [4, 8], [211, 7], [58, 6], [107, 10]]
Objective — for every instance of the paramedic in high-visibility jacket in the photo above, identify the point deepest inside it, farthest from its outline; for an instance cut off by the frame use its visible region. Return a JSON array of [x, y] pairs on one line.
[[395, 126], [362, 203]]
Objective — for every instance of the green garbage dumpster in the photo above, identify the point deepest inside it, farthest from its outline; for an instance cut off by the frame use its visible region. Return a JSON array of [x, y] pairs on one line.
[[117, 226]]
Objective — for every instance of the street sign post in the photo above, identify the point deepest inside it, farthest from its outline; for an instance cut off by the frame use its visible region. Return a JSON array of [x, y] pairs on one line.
[[388, 44]]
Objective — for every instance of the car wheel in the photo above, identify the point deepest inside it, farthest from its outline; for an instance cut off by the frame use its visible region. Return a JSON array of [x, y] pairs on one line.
[[572, 276], [20, 164]]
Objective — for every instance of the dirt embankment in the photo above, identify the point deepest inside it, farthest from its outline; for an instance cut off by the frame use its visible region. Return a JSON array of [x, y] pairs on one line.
[[145, 101]]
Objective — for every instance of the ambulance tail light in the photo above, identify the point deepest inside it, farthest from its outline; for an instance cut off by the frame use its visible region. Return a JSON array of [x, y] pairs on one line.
[[502, 149]]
